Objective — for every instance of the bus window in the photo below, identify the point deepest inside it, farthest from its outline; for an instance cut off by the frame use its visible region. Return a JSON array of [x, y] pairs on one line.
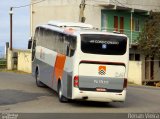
[[30, 43], [71, 45], [33, 49], [103, 44]]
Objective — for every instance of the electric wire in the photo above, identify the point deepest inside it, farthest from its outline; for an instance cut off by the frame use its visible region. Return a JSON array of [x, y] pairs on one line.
[[27, 5]]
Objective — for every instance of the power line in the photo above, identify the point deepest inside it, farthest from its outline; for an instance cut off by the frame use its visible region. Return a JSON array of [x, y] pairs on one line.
[[17, 7], [113, 1]]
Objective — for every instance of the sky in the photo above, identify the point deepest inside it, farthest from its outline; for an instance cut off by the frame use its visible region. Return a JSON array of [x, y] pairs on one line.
[[21, 23]]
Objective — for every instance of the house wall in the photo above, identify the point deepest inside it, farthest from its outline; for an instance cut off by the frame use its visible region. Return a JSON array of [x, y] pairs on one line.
[[143, 4], [64, 10], [147, 71], [127, 22], [69, 10], [138, 4], [157, 70]]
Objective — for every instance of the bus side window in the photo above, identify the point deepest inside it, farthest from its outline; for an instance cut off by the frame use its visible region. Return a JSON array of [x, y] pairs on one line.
[[71, 45], [30, 43], [67, 53], [33, 49]]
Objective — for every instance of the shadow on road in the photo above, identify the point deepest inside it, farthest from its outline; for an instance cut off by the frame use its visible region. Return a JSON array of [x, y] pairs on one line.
[[98, 104], [8, 97]]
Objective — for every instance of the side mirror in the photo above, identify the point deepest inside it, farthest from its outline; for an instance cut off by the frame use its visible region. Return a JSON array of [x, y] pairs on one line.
[[29, 44]]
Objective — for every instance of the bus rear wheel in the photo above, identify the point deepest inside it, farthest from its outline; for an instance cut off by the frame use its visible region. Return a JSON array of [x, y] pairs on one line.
[[38, 82], [60, 95]]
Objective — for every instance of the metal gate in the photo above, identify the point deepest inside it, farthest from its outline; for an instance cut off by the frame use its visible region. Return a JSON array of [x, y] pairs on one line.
[[3, 63]]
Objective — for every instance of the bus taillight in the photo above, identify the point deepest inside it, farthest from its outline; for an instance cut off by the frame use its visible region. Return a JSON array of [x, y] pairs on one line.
[[76, 81], [125, 83]]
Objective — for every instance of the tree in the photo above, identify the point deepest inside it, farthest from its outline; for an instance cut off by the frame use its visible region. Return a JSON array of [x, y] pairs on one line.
[[149, 39]]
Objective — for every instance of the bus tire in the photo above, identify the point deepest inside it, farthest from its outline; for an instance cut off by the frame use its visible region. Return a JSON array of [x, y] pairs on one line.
[[38, 82], [60, 95]]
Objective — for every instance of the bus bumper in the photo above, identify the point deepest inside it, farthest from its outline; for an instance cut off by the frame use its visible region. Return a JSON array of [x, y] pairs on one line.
[[99, 96]]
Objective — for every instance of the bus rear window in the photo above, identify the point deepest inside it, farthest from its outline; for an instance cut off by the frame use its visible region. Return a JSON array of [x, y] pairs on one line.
[[103, 44]]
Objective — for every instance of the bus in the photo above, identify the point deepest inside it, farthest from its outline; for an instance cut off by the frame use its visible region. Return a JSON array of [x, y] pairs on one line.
[[80, 62]]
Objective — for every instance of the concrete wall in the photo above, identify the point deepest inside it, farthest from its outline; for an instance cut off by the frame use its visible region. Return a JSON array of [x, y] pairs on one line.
[[65, 10], [147, 5], [24, 61], [144, 4], [135, 72], [157, 70], [68, 10], [9, 60], [147, 69]]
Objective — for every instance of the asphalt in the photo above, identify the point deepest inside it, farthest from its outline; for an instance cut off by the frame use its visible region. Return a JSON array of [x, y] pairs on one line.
[[19, 94]]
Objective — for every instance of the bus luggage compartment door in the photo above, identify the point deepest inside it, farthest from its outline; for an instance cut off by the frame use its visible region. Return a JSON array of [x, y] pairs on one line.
[[103, 78]]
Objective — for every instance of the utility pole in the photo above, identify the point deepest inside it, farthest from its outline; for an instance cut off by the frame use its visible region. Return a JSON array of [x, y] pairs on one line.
[[82, 8], [11, 14]]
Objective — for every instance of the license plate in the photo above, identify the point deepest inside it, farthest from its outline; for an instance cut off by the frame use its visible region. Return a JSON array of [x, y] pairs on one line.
[[101, 89]]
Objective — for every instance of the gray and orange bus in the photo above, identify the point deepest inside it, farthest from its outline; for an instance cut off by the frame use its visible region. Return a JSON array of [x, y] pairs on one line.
[[79, 62]]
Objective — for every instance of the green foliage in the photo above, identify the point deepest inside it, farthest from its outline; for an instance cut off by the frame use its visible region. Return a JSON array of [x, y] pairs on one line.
[[149, 39]]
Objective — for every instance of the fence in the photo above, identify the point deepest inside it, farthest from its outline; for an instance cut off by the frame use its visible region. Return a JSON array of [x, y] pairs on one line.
[[3, 63], [132, 35]]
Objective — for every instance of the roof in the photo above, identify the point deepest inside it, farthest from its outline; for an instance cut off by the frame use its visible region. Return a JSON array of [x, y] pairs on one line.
[[69, 24]]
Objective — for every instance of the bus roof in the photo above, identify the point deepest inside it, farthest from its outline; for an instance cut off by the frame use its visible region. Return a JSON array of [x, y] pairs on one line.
[[69, 24], [75, 28]]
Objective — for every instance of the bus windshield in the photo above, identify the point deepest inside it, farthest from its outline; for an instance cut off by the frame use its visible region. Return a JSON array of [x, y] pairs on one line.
[[103, 44]]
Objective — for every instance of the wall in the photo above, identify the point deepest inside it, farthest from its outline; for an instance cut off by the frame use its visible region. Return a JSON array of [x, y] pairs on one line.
[[54, 10], [135, 72], [147, 69], [144, 4], [10, 60], [138, 4], [127, 22], [157, 70], [24, 61], [65, 10], [69, 10]]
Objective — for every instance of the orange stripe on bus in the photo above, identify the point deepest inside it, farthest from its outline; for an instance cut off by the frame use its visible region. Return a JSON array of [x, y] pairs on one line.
[[59, 66]]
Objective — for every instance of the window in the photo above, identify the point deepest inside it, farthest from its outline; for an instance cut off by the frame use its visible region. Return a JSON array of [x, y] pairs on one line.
[[104, 21], [137, 57], [115, 23], [131, 57], [137, 26], [121, 24], [103, 44], [59, 42], [134, 57], [33, 49]]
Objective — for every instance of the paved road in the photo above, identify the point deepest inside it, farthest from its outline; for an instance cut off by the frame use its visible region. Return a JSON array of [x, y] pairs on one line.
[[18, 93]]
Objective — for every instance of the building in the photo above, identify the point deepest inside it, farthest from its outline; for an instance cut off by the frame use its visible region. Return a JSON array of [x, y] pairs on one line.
[[124, 16]]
